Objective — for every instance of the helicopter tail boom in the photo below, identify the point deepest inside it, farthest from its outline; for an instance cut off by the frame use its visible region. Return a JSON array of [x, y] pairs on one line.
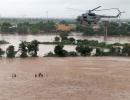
[[118, 15]]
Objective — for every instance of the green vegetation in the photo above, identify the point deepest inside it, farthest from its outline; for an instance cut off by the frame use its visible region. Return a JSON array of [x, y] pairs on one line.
[[35, 26], [59, 51], [4, 42], [84, 50], [114, 29], [23, 49], [26, 28], [1, 52], [99, 52], [5, 27], [28, 48], [126, 50], [10, 51], [115, 51], [23, 28], [33, 48], [57, 39]]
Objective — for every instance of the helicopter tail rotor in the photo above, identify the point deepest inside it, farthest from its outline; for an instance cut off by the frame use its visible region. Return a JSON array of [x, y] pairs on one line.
[[119, 13]]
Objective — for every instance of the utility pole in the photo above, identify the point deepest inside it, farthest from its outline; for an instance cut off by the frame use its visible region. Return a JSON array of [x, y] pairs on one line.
[[106, 30], [47, 15]]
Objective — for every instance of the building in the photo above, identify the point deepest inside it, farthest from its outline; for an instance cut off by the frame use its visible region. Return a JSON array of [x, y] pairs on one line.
[[65, 27]]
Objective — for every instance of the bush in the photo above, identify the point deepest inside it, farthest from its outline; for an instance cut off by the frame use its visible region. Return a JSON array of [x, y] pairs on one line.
[[84, 50], [5, 27], [115, 51], [72, 54], [126, 50], [4, 42], [59, 51], [23, 49], [57, 39], [64, 36], [33, 48], [50, 54], [99, 52], [10, 51], [1, 52]]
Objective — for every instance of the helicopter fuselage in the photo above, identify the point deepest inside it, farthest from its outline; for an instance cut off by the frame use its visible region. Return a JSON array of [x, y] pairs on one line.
[[90, 17]]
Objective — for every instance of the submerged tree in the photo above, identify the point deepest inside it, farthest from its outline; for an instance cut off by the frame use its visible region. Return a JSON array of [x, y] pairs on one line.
[[23, 49], [59, 51], [57, 39], [126, 50], [1, 52], [64, 36], [33, 48], [99, 52], [84, 50], [115, 51], [10, 51]]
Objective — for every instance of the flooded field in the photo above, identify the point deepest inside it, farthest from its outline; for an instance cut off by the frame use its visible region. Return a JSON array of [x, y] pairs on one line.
[[44, 49], [92, 78]]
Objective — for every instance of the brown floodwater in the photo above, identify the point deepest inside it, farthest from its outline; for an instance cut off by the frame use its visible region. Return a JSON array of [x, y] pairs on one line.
[[81, 78]]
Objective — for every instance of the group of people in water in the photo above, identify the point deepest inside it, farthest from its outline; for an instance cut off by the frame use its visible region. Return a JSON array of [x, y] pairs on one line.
[[39, 75]]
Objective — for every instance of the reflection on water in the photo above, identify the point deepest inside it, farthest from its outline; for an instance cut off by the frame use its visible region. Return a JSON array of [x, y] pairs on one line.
[[44, 49]]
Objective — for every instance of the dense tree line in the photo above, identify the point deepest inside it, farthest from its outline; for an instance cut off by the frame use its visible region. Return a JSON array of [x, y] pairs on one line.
[[82, 50], [24, 28], [114, 28], [85, 48], [30, 49], [25, 49]]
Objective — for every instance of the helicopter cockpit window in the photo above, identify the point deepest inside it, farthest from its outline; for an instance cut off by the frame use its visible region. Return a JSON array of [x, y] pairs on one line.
[[91, 14]]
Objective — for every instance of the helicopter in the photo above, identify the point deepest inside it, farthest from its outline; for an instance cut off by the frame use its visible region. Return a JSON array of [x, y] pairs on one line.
[[89, 17]]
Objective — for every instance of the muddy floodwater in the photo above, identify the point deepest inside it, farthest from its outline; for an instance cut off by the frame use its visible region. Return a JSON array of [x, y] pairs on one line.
[[89, 78]]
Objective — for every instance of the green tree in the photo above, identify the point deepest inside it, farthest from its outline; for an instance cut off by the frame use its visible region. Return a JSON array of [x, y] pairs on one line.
[[49, 26], [113, 29], [57, 39], [40, 26], [84, 50], [115, 51], [99, 52], [34, 28], [33, 48], [10, 51], [23, 28], [59, 51], [80, 28], [23, 49], [72, 40], [89, 31], [86, 30], [1, 52], [5, 27], [63, 22], [126, 50], [64, 36], [72, 54]]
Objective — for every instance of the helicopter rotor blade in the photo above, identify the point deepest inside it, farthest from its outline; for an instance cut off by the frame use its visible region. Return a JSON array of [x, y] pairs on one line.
[[107, 9], [95, 8]]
